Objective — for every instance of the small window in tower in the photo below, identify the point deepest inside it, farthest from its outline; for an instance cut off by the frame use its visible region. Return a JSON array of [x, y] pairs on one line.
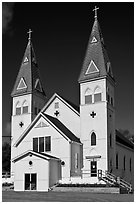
[[56, 106], [92, 68], [108, 98], [25, 107], [93, 40], [111, 101], [88, 96], [97, 97], [93, 139], [88, 99], [18, 108]]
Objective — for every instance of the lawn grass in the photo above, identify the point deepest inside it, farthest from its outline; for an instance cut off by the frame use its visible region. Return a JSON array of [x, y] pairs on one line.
[[11, 196]]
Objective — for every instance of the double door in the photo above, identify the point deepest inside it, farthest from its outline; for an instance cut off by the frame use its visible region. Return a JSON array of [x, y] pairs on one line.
[[30, 181]]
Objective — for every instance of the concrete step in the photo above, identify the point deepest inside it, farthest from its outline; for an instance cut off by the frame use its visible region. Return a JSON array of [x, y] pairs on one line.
[[87, 189]]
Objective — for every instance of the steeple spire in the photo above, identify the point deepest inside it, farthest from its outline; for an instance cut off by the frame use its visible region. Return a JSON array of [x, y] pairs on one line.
[[96, 63], [28, 79]]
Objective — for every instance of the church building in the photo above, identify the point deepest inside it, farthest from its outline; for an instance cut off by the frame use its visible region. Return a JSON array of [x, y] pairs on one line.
[[56, 141]]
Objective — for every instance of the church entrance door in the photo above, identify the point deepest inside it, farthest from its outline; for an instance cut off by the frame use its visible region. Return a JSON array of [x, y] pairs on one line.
[[30, 182], [93, 168]]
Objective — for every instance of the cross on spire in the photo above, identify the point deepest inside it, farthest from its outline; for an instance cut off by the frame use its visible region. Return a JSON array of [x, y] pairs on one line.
[[29, 33], [95, 10]]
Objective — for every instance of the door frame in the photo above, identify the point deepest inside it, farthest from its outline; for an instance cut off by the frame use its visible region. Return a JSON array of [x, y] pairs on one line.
[[30, 182]]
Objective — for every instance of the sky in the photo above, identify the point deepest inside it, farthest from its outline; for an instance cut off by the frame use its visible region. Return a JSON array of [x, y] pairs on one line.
[[60, 36]]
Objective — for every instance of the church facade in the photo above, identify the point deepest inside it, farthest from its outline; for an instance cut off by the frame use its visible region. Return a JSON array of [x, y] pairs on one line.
[[55, 140]]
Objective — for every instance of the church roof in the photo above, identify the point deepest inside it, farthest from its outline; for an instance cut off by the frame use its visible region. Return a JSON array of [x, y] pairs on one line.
[[62, 128], [38, 154], [28, 79], [96, 63], [123, 140]]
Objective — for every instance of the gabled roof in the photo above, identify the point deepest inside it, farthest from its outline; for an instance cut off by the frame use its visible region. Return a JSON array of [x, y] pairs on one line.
[[96, 53], [62, 128], [28, 74], [66, 133], [123, 140], [38, 154], [72, 106]]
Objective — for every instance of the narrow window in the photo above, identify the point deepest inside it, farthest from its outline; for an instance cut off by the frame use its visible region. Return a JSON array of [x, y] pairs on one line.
[[88, 96], [97, 97], [56, 106], [35, 144], [47, 143], [76, 160], [117, 161], [25, 107], [18, 109], [93, 139], [130, 165], [124, 163], [108, 98], [88, 99], [41, 144], [111, 101]]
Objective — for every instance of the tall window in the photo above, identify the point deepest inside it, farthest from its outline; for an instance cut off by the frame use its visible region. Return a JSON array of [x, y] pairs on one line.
[[47, 144], [76, 160], [25, 107], [117, 161], [93, 139], [18, 108], [56, 105], [124, 163], [88, 96], [97, 95], [42, 144], [35, 144]]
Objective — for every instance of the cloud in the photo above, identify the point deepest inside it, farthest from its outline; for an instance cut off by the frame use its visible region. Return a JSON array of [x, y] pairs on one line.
[[7, 14]]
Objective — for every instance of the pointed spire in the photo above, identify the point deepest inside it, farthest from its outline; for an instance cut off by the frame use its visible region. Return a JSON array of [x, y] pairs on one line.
[[28, 73], [96, 57]]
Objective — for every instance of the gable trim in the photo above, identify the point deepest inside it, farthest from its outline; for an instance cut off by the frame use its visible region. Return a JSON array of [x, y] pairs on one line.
[[61, 99]]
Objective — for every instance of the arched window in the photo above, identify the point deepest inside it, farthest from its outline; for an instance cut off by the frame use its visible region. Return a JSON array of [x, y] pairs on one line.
[[88, 96], [18, 108], [97, 95], [25, 107], [93, 139], [124, 163]]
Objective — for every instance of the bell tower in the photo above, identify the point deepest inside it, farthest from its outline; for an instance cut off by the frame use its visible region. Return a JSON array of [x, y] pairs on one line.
[[97, 107], [28, 96]]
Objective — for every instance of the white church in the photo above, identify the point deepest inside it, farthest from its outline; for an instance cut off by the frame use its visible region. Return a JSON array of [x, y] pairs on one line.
[[55, 141]]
